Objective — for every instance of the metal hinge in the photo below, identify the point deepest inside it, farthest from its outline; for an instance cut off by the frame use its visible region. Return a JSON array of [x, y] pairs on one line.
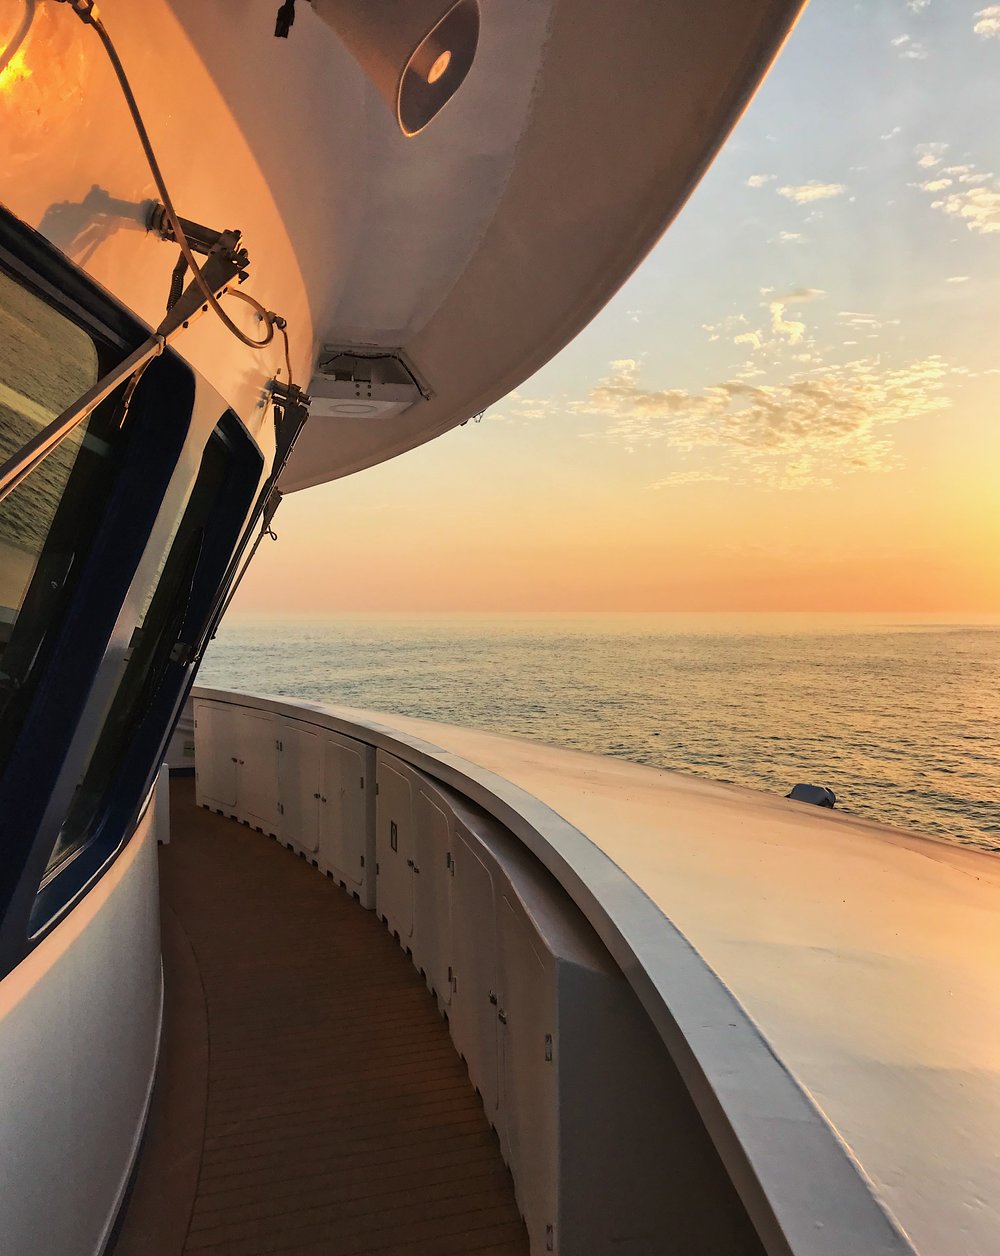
[[548, 1048], [362, 782], [281, 808], [550, 1238], [278, 745], [502, 1017], [182, 653], [362, 861], [376, 789], [376, 868]]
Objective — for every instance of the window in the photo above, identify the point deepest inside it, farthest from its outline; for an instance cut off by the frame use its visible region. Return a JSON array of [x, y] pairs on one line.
[[46, 363], [163, 643]]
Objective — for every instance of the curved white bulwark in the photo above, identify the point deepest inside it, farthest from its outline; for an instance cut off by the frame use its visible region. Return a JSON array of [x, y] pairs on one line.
[[79, 1038], [826, 987]]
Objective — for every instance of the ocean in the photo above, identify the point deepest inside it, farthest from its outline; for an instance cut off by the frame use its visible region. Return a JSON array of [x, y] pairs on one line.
[[899, 715]]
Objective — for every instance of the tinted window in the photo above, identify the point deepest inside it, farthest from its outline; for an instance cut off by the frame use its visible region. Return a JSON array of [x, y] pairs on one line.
[[46, 363], [161, 647]]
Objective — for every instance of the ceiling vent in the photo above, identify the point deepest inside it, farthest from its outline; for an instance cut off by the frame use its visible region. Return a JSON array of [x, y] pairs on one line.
[[356, 382]]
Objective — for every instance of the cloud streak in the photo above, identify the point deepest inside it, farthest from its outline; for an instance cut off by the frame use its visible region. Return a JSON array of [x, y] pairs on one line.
[[909, 49], [806, 193]]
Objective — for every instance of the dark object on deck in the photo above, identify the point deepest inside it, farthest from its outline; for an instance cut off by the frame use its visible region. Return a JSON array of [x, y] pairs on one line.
[[815, 794], [818, 795]]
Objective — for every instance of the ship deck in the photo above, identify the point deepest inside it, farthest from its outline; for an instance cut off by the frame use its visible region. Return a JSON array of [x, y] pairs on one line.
[[308, 1097]]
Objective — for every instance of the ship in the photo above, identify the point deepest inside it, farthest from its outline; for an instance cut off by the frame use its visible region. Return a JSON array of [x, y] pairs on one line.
[[285, 977]]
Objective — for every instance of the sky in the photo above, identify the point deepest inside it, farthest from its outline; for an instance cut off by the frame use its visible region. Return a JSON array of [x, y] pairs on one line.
[[792, 404]]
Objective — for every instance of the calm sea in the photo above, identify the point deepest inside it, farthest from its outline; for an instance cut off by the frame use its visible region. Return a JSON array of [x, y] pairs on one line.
[[901, 718]]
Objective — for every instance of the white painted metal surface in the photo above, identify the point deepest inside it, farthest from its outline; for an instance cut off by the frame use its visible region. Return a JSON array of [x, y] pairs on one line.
[[180, 752], [571, 1073], [451, 247], [301, 782], [433, 880], [394, 847], [346, 842], [866, 956], [257, 775], [216, 760], [161, 805], [752, 1083], [79, 1034], [300, 772]]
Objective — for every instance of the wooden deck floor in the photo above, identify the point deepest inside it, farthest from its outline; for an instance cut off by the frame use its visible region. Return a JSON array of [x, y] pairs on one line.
[[309, 1099]]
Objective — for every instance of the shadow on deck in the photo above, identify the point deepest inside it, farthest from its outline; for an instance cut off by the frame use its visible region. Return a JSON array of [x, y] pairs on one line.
[[309, 1099]]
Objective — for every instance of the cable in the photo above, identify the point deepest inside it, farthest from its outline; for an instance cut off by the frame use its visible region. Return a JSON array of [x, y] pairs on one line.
[[85, 10], [20, 35]]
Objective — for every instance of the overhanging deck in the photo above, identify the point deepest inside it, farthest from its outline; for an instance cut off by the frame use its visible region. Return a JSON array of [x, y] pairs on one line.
[[309, 1099]]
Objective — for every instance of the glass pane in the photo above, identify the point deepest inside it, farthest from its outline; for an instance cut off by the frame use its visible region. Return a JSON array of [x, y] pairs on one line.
[[46, 363], [157, 632]]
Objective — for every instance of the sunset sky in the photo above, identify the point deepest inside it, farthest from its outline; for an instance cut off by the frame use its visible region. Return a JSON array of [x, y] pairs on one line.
[[793, 404]]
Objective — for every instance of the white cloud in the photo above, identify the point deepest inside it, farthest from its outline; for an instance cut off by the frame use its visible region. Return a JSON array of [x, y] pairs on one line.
[[988, 24], [957, 279], [791, 237], [917, 6], [975, 200], [792, 329], [977, 207], [751, 338], [805, 193], [520, 409], [677, 478], [909, 49], [891, 135], [725, 327], [836, 418], [929, 155], [758, 180]]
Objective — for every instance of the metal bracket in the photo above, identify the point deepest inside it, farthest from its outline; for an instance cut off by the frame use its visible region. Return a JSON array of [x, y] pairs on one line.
[[183, 653], [225, 263]]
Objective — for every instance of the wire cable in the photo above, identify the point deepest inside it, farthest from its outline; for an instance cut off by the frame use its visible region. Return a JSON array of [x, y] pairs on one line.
[[88, 15], [20, 35]]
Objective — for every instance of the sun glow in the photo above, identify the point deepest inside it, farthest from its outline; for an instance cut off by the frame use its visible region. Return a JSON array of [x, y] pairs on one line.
[[14, 72]]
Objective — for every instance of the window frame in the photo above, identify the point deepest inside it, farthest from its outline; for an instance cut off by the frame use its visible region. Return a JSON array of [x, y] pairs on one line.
[[123, 801], [157, 448]]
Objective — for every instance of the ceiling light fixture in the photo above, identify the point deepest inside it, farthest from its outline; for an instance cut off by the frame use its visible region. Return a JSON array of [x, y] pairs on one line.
[[416, 52]]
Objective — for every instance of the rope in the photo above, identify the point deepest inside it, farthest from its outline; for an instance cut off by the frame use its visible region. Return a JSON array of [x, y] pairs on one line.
[[85, 10]]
